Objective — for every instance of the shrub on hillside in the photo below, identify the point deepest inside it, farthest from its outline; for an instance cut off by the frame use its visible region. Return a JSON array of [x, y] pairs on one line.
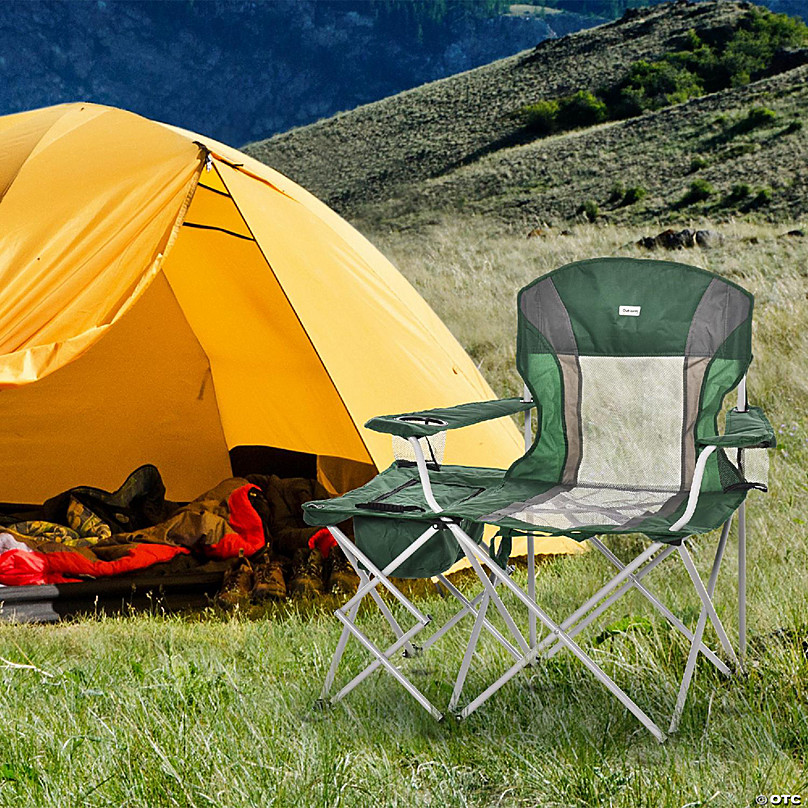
[[750, 51], [699, 191], [762, 198], [581, 109], [654, 85], [617, 193], [541, 117], [756, 118], [739, 192], [571, 112], [714, 61], [633, 195], [697, 163], [590, 210]]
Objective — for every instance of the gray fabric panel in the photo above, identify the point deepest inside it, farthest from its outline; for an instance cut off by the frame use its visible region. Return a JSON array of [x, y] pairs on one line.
[[631, 412], [666, 510], [695, 368], [542, 307], [518, 507], [572, 507], [721, 310], [571, 376]]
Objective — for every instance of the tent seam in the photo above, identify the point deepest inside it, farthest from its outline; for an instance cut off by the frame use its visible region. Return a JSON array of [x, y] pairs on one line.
[[297, 317]]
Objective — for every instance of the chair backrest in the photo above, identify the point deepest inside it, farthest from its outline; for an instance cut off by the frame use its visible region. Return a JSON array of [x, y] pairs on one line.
[[629, 362]]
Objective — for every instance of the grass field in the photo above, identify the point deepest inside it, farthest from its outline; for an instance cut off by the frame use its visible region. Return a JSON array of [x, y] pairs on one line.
[[209, 710]]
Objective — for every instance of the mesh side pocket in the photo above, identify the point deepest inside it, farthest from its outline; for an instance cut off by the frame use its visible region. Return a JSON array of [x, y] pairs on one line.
[[432, 446], [750, 469], [729, 474], [754, 466]]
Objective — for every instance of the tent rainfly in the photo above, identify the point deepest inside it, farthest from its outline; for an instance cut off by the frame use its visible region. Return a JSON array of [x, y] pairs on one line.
[[167, 299]]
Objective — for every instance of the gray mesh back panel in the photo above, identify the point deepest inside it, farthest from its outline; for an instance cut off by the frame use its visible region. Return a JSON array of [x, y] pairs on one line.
[[629, 362]]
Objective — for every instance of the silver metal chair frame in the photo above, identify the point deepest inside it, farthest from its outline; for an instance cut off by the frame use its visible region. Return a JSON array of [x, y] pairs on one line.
[[560, 635]]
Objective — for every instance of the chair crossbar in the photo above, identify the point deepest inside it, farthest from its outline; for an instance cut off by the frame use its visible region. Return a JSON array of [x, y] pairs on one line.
[[664, 610], [708, 604], [390, 668], [472, 551], [574, 625], [370, 576], [380, 576], [470, 607], [403, 640]]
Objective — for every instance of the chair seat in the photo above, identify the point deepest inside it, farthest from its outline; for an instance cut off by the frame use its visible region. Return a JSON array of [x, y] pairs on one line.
[[487, 495]]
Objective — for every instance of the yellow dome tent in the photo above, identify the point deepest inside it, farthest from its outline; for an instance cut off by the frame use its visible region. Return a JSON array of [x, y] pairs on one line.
[[165, 299]]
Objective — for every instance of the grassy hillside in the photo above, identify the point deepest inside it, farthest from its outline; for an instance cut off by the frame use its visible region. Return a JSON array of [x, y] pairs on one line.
[[468, 142], [208, 710], [746, 147]]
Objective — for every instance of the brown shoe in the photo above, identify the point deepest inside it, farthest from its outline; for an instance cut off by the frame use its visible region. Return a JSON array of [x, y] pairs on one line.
[[342, 580], [307, 574], [269, 581], [238, 581]]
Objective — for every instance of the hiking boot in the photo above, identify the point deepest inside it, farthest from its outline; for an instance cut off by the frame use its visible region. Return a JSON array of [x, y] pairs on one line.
[[342, 580], [307, 574], [238, 581], [269, 582]]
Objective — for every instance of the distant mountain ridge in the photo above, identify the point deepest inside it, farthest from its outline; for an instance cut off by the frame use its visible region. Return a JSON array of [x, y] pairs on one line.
[[457, 144], [238, 70]]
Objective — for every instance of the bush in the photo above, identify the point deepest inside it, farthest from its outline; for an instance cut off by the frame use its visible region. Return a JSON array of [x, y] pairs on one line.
[[540, 118], [728, 59], [699, 191], [739, 192], [762, 198], [570, 112], [617, 193], [697, 163], [759, 116], [590, 210], [751, 49], [653, 85], [634, 195], [794, 126], [581, 109]]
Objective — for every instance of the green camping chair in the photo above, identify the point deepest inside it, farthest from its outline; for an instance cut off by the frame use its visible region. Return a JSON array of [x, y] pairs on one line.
[[627, 363]]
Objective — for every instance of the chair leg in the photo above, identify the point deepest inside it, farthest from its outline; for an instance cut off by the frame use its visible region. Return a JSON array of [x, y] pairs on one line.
[[469, 607], [656, 603], [382, 658], [708, 604], [370, 577], [531, 588], [742, 582], [337, 658], [692, 657], [467, 656], [471, 550]]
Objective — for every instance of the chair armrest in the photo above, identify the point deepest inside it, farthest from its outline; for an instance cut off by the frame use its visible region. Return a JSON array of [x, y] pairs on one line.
[[430, 422], [695, 489], [749, 429]]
